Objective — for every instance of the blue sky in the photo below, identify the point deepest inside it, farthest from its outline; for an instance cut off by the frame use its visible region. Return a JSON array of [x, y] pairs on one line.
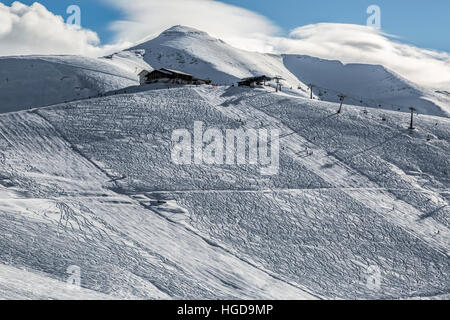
[[422, 23]]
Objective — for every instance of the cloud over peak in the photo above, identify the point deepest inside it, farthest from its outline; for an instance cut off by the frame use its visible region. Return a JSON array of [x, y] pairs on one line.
[[147, 18], [247, 30], [361, 44]]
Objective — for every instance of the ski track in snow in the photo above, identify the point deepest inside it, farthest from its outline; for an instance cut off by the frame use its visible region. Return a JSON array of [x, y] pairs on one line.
[[91, 183], [86, 188], [233, 278], [344, 177]]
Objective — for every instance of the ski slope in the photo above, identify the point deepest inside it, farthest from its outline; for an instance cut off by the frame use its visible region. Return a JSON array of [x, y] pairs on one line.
[[34, 81], [91, 183], [20, 284]]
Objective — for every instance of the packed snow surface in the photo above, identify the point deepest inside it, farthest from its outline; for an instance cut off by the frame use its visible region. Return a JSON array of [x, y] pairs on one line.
[[87, 179], [34, 81], [91, 183]]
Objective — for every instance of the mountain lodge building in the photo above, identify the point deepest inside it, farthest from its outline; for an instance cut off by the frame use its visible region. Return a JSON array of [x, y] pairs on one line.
[[169, 76], [252, 81]]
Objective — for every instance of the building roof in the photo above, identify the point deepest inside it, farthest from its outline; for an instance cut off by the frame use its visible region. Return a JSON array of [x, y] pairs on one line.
[[163, 71], [256, 78], [171, 72], [144, 72], [175, 71]]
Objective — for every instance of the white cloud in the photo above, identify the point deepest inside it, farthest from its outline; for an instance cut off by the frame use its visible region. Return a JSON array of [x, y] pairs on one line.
[[355, 43], [148, 18], [35, 30]]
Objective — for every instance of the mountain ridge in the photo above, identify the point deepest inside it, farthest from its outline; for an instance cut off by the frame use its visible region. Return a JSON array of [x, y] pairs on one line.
[[194, 51], [181, 47]]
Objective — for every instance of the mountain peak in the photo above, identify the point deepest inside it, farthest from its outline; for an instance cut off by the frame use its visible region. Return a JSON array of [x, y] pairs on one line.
[[183, 30]]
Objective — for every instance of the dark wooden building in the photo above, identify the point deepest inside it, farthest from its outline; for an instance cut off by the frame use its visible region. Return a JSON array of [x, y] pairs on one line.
[[252, 81], [169, 76]]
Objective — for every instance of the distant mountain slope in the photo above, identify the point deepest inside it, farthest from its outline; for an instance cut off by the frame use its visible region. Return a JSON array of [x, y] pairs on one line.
[[35, 81], [195, 52], [131, 60], [366, 85]]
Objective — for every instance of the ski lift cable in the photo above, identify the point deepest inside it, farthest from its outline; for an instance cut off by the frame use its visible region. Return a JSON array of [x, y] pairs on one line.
[[362, 99]]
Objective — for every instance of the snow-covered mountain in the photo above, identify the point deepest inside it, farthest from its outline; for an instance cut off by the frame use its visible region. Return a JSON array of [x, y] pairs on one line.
[[92, 184], [194, 51], [34, 81], [365, 85]]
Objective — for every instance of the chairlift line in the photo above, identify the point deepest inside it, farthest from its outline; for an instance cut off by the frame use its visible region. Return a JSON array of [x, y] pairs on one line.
[[359, 99]]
